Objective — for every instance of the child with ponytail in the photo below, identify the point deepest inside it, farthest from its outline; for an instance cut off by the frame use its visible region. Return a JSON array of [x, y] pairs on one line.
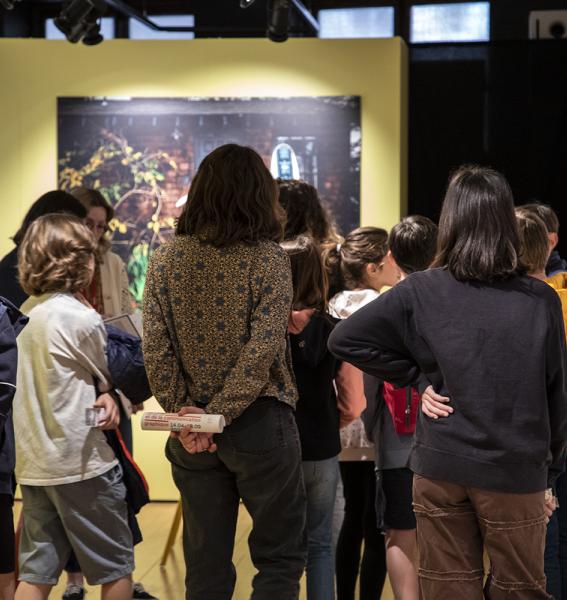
[[357, 271]]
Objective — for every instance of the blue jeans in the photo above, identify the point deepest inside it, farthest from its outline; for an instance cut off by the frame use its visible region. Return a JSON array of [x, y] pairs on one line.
[[556, 545], [321, 478], [552, 568]]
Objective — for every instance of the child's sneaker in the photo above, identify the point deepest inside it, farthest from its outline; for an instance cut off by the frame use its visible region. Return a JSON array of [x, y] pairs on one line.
[[74, 592], [140, 593]]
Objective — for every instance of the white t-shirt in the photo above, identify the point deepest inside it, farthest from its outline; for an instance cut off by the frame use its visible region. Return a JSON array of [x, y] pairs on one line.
[[60, 353]]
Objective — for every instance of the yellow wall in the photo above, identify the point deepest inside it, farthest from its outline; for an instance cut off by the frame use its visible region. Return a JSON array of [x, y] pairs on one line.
[[34, 72]]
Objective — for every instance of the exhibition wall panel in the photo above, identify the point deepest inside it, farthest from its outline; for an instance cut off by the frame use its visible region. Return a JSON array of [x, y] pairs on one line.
[[34, 73]]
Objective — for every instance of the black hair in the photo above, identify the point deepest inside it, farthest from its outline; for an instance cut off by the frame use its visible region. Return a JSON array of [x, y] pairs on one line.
[[412, 243], [478, 235], [56, 201]]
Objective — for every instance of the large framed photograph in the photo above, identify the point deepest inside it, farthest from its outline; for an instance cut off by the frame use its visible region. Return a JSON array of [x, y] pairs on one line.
[[142, 153]]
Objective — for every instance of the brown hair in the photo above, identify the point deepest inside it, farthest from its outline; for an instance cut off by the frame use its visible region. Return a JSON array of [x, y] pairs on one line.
[[310, 283], [545, 213], [412, 243], [305, 212], [91, 198], [55, 255], [478, 235], [534, 243], [233, 198], [346, 262]]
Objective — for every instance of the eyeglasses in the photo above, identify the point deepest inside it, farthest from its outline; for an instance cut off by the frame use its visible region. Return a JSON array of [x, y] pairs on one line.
[[96, 226]]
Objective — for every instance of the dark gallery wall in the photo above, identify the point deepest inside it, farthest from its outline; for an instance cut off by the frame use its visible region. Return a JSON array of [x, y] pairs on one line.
[[502, 104]]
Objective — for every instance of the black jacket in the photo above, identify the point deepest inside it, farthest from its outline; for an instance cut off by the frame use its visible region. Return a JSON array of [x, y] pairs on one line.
[[316, 412], [11, 323], [126, 364], [497, 350], [10, 287]]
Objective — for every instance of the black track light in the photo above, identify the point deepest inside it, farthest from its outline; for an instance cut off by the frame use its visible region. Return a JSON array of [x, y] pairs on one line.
[[93, 36], [246, 3], [278, 20], [78, 18]]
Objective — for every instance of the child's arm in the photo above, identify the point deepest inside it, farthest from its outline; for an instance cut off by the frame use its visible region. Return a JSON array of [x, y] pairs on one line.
[[350, 393], [373, 339], [160, 358], [90, 353], [268, 326]]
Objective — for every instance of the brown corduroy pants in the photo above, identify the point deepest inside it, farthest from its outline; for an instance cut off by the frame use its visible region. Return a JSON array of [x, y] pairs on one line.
[[455, 524]]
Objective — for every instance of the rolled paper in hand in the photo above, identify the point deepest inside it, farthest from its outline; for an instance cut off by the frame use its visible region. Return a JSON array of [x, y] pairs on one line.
[[200, 422]]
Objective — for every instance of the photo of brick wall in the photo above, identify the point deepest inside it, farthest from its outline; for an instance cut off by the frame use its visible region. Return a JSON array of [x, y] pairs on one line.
[[142, 154]]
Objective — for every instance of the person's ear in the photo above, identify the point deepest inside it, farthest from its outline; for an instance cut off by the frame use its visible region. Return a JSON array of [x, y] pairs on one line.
[[371, 269], [553, 239], [390, 258]]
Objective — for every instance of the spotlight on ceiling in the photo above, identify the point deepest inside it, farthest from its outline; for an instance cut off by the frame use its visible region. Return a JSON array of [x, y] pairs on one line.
[[278, 20], [93, 36], [78, 20], [246, 3], [9, 4]]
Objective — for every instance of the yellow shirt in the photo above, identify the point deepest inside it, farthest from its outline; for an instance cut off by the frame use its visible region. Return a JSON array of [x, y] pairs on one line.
[[559, 283]]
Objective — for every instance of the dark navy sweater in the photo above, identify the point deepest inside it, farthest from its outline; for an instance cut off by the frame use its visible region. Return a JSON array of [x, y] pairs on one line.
[[497, 350], [11, 323]]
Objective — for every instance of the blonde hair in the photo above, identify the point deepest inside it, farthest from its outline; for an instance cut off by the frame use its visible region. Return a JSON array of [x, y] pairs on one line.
[[55, 255]]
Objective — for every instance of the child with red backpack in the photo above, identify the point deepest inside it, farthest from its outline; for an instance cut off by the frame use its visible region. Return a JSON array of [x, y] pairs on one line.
[[390, 422]]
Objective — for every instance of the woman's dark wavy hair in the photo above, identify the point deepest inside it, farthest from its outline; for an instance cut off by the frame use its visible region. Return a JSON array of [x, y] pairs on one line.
[[56, 201], [478, 235], [233, 198], [305, 212], [310, 283]]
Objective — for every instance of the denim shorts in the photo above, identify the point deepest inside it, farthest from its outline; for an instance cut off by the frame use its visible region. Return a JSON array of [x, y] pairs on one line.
[[89, 517]]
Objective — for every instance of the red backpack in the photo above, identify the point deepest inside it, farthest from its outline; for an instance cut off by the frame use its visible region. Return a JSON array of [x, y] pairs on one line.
[[402, 404]]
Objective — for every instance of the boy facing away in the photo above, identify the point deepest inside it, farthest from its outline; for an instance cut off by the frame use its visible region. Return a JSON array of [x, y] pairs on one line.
[[411, 248], [72, 489]]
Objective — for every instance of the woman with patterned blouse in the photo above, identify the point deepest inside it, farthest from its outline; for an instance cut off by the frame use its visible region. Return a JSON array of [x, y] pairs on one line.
[[216, 308]]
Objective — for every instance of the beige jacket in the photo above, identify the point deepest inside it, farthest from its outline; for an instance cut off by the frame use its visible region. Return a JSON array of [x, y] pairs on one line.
[[116, 298]]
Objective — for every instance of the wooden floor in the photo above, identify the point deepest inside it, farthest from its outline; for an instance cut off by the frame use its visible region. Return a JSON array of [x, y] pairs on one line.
[[167, 582]]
